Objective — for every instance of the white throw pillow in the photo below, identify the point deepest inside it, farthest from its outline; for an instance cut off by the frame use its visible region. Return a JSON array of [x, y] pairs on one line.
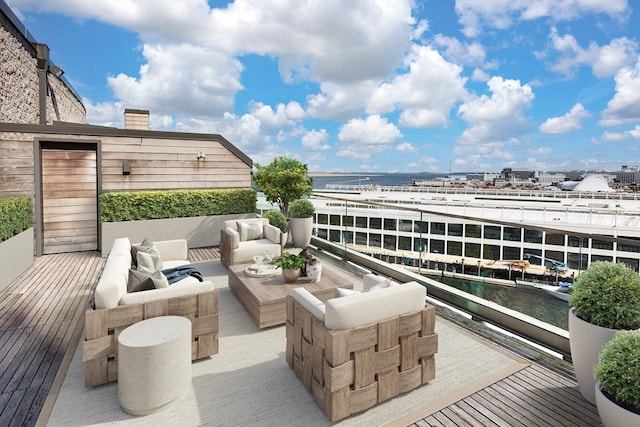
[[249, 231], [342, 292], [150, 260]]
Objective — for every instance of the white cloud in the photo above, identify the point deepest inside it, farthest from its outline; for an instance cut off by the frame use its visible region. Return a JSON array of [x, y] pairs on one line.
[[495, 121], [566, 123], [207, 87], [501, 14], [406, 147], [316, 140], [624, 107], [622, 136], [373, 131], [283, 116], [604, 60], [427, 92], [454, 50]]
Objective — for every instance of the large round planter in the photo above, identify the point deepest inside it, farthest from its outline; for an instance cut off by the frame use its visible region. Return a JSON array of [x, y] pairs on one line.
[[613, 415], [301, 230], [290, 276], [585, 341]]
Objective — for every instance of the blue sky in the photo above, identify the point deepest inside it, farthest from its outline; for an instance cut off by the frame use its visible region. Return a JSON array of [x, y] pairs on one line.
[[365, 86]]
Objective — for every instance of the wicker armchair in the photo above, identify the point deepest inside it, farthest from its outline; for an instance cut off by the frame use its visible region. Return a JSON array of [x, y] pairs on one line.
[[348, 371]]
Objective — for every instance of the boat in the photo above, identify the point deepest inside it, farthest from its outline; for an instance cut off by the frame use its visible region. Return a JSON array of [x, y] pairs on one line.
[[559, 289]]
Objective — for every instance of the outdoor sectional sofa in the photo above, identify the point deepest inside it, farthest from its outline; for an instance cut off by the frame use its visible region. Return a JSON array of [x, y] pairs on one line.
[[357, 350], [115, 308]]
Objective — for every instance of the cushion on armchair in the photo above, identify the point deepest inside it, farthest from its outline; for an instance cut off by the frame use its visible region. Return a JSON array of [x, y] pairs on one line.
[[249, 230]]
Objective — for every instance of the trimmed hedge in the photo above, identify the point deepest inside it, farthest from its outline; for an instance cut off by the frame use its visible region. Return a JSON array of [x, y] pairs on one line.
[[15, 216], [143, 205]]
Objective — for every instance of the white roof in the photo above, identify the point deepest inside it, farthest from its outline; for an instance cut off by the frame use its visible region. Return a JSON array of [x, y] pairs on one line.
[[593, 183]]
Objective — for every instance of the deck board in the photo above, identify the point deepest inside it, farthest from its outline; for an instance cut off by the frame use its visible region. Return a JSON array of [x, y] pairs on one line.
[[42, 317]]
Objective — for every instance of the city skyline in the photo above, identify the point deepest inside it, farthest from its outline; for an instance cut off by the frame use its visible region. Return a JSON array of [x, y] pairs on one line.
[[370, 86]]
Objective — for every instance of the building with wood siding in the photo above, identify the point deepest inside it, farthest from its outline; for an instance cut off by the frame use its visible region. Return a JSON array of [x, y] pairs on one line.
[[50, 154]]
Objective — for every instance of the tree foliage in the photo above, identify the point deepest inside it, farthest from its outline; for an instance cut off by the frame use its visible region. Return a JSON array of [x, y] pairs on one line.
[[283, 180]]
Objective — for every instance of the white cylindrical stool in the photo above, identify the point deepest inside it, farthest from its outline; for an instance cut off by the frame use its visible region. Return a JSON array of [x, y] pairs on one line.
[[154, 363]]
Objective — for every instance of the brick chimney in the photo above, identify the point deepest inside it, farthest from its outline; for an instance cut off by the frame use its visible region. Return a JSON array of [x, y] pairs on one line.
[[136, 119]]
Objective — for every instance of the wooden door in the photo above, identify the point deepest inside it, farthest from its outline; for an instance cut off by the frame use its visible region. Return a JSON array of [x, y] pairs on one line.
[[69, 200]]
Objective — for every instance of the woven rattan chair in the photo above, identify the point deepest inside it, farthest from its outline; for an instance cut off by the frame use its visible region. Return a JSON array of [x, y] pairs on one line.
[[348, 371]]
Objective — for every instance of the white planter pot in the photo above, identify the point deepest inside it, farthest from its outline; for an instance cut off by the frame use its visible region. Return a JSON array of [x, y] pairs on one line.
[[301, 230], [613, 415], [585, 341]]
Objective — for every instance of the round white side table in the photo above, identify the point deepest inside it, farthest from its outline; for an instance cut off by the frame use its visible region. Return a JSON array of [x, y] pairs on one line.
[[154, 363]]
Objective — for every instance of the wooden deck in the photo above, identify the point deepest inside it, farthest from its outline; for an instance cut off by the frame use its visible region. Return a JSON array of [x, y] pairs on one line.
[[41, 322]]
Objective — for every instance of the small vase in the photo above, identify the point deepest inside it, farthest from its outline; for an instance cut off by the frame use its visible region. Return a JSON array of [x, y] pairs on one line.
[[290, 276], [314, 271]]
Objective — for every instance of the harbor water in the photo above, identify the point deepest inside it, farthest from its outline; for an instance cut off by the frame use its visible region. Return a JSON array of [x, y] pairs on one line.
[[524, 299]]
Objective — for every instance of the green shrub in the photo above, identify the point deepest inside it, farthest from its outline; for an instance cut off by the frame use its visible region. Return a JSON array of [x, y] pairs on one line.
[[301, 208], [618, 369], [276, 218], [607, 295], [15, 216], [142, 205]]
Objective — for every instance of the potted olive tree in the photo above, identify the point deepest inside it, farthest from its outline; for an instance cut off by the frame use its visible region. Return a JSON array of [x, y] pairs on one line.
[[618, 375], [291, 265], [277, 219], [301, 222], [604, 299]]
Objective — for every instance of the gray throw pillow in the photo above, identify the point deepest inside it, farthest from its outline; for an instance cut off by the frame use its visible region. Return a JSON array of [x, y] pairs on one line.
[[141, 281], [142, 247]]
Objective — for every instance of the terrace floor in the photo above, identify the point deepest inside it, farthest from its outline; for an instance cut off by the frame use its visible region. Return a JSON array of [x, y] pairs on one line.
[[41, 323]]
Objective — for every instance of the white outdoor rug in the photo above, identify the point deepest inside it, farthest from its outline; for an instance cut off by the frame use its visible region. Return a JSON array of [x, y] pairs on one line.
[[250, 383]]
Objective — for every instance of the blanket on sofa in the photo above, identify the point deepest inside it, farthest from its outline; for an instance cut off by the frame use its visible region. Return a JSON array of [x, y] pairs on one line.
[[176, 274]]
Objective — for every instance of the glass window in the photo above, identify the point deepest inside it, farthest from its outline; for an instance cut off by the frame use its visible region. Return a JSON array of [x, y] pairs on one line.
[[334, 235], [375, 223], [533, 260], [405, 225], [577, 242], [347, 220], [390, 224], [492, 232], [532, 236], [361, 238], [512, 234], [577, 261], [601, 244], [436, 246], [510, 252], [455, 229], [361, 221], [404, 243], [322, 219], [595, 258], [375, 240], [347, 236], [628, 248], [473, 230], [419, 245], [491, 252], [554, 239], [554, 255], [322, 233], [390, 242], [422, 227], [437, 228], [472, 250], [334, 220], [454, 248]]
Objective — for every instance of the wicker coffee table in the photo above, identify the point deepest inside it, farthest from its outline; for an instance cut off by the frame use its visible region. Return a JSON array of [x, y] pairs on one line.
[[264, 298]]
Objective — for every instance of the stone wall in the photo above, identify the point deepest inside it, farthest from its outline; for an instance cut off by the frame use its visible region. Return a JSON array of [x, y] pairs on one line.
[[19, 89]]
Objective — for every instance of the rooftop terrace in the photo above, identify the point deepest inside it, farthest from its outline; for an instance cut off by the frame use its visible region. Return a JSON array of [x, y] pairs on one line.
[[41, 324]]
